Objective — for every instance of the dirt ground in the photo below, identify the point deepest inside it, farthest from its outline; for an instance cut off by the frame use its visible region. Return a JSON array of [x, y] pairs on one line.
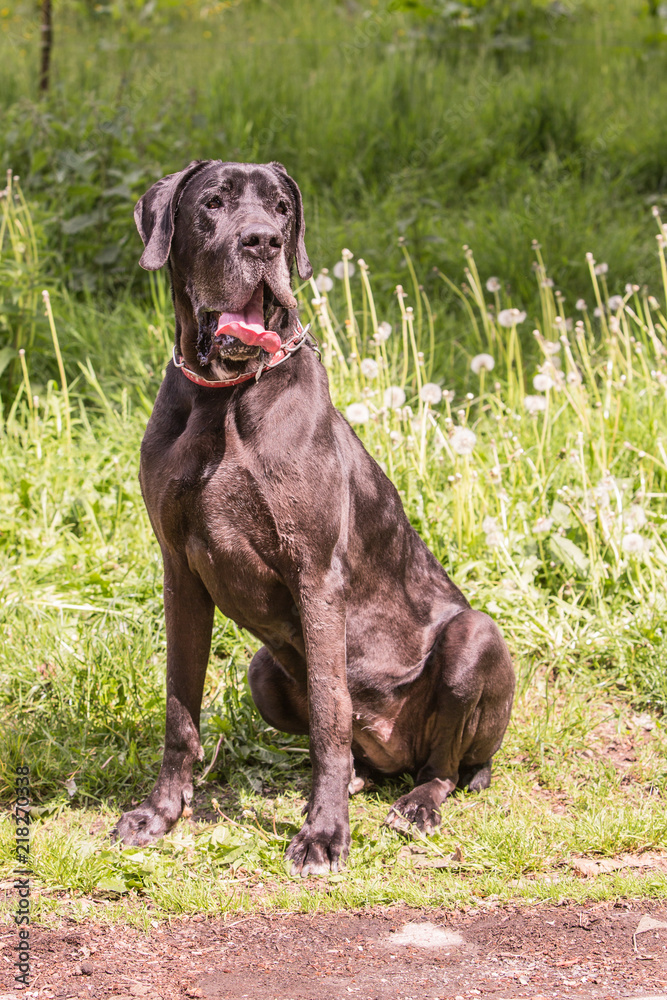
[[542, 953]]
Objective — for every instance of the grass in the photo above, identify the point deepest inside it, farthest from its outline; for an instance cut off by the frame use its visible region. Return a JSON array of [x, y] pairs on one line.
[[539, 483], [393, 124]]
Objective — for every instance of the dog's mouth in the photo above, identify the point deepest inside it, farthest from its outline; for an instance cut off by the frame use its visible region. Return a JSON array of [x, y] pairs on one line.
[[239, 335]]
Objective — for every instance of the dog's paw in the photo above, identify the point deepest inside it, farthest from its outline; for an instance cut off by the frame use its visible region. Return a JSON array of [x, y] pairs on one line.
[[318, 851], [412, 811], [143, 825]]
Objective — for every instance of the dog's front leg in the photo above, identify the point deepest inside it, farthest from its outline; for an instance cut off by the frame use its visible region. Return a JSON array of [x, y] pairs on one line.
[[189, 620], [323, 842]]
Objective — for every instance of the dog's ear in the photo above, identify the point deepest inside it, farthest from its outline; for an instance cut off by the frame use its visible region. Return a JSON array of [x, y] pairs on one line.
[[303, 265], [155, 212]]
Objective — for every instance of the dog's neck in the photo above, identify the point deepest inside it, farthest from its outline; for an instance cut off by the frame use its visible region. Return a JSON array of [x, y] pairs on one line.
[[186, 340], [284, 322]]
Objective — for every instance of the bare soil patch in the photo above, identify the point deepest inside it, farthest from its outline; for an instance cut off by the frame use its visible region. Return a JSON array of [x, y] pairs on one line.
[[541, 953]]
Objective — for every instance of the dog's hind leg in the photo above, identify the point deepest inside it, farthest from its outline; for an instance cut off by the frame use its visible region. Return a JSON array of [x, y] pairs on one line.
[[474, 688], [189, 619], [280, 699], [283, 703]]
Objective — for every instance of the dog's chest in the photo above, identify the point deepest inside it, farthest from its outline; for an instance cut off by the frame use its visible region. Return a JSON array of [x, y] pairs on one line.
[[235, 546]]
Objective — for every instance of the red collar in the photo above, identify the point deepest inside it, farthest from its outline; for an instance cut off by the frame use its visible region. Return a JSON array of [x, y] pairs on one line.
[[290, 346]]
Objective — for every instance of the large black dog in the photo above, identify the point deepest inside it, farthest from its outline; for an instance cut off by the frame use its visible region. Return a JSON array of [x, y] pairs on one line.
[[266, 504]]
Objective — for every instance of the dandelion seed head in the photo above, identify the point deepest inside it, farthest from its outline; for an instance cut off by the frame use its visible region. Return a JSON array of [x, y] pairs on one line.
[[482, 362], [383, 331], [323, 282], [511, 317], [339, 268], [431, 393], [493, 285], [494, 539], [357, 413], [601, 268], [634, 517], [580, 304], [463, 440], [633, 543], [369, 368], [394, 397], [543, 382], [535, 404], [615, 303]]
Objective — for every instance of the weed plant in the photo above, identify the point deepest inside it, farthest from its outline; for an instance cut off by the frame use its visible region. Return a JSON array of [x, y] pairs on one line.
[[540, 485]]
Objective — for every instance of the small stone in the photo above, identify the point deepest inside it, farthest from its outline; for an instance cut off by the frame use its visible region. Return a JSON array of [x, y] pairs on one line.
[[87, 968], [139, 990]]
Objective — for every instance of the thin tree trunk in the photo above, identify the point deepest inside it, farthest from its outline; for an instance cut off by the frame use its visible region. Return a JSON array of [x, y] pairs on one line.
[[46, 43]]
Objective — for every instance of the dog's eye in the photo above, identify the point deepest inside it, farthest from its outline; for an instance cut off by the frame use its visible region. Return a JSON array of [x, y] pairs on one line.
[[214, 202], [282, 208]]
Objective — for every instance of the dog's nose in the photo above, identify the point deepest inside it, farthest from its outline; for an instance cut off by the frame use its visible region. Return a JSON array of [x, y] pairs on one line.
[[261, 241]]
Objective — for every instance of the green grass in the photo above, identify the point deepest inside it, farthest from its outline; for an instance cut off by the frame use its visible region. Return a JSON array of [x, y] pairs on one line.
[[551, 516], [393, 124]]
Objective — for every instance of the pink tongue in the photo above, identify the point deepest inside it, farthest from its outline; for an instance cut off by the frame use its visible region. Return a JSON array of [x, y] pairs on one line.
[[248, 326]]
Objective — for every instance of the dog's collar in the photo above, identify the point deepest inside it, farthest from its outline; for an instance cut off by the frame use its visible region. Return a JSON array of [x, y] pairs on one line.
[[286, 350]]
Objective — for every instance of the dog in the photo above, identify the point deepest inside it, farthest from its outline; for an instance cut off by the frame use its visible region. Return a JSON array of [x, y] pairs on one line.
[[266, 504]]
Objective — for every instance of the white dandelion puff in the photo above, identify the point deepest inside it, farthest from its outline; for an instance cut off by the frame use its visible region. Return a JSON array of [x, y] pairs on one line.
[[633, 543], [463, 440], [580, 304], [601, 268], [369, 368], [482, 363], [324, 282], [615, 303], [551, 347], [394, 397], [634, 517], [493, 285], [431, 393], [358, 413], [494, 539], [511, 317], [383, 331], [489, 524], [535, 404], [339, 269], [543, 382]]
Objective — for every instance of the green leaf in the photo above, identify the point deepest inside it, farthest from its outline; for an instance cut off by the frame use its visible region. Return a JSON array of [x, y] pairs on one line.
[[6, 355], [80, 222], [112, 883], [567, 552]]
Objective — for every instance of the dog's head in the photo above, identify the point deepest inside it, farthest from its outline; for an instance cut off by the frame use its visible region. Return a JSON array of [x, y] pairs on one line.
[[231, 233]]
